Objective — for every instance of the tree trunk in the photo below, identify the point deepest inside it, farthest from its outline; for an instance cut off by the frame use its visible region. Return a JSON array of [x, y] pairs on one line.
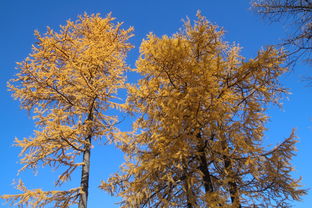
[[188, 196], [84, 183], [233, 189], [206, 174], [85, 175], [188, 189], [203, 167]]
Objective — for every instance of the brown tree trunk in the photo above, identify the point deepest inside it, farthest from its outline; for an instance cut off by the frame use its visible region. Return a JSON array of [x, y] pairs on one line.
[[85, 175]]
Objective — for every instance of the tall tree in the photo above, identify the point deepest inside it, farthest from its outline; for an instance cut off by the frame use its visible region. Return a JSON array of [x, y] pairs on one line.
[[298, 13], [69, 82], [199, 139]]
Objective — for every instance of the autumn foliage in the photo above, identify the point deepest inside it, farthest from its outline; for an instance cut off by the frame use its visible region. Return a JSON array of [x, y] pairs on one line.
[[197, 141], [199, 137], [69, 81]]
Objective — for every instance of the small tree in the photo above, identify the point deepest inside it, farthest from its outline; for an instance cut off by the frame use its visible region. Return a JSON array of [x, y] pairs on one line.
[[199, 137], [298, 13], [69, 82]]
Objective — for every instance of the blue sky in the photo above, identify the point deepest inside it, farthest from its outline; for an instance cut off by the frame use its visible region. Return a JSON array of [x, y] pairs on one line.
[[19, 18]]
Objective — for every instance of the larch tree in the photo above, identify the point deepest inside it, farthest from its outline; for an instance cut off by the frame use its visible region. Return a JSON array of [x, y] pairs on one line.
[[69, 82], [298, 13], [198, 141]]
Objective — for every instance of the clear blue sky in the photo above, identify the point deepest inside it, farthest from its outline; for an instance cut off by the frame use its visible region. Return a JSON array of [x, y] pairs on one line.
[[19, 18]]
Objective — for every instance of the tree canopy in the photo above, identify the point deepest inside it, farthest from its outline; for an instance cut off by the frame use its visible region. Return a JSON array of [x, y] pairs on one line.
[[69, 82], [199, 137], [201, 114]]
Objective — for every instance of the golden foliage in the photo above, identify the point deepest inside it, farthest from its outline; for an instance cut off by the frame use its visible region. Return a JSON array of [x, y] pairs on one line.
[[38, 198], [198, 141], [69, 81]]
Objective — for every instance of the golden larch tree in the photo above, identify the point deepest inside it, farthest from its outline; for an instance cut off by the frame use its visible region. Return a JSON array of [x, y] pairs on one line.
[[199, 136], [69, 82]]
